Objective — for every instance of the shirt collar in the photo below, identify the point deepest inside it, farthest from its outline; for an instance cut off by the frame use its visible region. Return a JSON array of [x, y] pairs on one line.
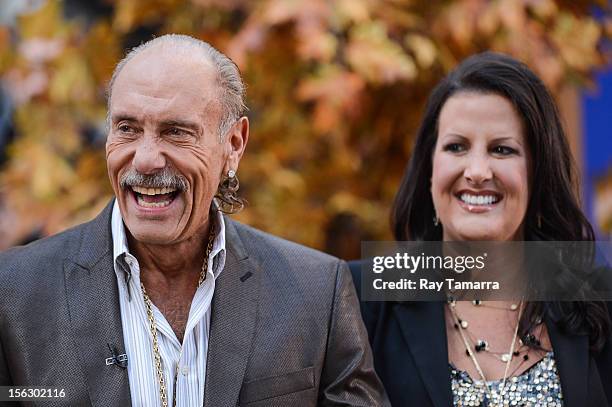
[[120, 246]]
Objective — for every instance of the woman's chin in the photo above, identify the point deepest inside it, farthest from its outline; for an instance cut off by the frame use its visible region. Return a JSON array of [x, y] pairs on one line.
[[476, 234]]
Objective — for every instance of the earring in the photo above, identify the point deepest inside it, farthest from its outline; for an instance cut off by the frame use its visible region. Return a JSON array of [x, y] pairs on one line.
[[436, 220], [539, 220], [227, 197], [231, 182]]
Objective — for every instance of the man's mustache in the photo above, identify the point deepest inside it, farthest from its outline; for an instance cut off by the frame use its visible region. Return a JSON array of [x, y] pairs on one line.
[[165, 178]]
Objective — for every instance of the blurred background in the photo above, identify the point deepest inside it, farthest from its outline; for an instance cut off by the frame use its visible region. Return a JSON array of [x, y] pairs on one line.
[[335, 90]]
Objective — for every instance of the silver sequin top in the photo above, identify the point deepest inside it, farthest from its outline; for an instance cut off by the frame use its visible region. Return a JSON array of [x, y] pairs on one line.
[[539, 386]]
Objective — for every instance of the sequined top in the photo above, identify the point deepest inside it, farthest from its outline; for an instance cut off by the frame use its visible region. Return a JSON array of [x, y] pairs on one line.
[[539, 386]]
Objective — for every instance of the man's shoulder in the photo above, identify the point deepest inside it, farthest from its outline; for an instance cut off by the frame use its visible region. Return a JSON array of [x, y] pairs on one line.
[[52, 250], [42, 252], [271, 250], [291, 276]]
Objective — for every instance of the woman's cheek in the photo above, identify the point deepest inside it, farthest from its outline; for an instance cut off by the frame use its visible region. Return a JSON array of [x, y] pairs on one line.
[[514, 177], [445, 173]]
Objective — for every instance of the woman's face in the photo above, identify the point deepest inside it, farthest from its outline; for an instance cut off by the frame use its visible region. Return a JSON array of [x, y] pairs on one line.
[[480, 176]]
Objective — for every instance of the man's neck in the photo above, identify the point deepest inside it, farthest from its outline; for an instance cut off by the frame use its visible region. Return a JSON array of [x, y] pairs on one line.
[[170, 275], [171, 263]]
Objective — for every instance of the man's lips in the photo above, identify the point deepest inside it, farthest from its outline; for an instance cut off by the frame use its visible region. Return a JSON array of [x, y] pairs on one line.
[[153, 198]]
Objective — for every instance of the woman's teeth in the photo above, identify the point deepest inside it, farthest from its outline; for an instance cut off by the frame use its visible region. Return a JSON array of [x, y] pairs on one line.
[[478, 199]]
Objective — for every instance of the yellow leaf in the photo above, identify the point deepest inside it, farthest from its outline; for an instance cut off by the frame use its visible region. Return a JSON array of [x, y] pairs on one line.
[[45, 21], [72, 80], [374, 55], [423, 48], [352, 11], [315, 43]]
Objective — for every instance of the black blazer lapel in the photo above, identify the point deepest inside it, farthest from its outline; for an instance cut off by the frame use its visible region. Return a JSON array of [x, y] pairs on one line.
[[93, 305], [572, 358], [232, 327], [422, 325]]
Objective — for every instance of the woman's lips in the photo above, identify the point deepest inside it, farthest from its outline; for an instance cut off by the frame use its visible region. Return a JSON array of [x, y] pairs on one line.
[[478, 202]]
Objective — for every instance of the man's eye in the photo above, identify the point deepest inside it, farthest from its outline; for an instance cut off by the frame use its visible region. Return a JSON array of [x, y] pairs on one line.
[[124, 128], [454, 147], [175, 131], [504, 150]]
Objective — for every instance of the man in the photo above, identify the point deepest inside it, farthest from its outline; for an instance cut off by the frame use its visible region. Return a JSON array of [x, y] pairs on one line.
[[160, 299]]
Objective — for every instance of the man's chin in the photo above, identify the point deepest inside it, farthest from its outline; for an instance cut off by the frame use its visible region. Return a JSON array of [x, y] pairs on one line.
[[152, 236]]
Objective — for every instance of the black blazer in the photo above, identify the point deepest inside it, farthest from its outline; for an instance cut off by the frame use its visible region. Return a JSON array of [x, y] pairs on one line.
[[411, 356]]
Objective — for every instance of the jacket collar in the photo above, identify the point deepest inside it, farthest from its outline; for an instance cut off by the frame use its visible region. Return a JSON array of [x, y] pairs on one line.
[[423, 329], [572, 359], [234, 315], [93, 305], [422, 326]]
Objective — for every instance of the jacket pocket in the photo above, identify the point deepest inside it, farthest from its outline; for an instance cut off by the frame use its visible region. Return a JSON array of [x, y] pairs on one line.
[[274, 386]]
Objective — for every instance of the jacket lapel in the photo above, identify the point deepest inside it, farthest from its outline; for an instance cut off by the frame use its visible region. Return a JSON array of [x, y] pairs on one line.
[[93, 305], [234, 312], [422, 325], [572, 358]]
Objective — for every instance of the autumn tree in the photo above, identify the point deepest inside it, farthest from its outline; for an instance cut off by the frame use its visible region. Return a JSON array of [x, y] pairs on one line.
[[335, 90]]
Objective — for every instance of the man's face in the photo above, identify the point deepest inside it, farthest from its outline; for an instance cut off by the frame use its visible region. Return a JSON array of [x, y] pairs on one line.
[[163, 153]]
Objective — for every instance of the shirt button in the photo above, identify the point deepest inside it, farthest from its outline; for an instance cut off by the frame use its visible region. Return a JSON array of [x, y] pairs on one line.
[[185, 371]]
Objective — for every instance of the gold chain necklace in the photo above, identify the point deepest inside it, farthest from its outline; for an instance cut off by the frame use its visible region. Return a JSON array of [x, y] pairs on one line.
[[163, 392], [468, 348]]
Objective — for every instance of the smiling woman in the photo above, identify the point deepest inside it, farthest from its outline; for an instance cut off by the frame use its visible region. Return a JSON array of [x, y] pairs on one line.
[[480, 169], [491, 162]]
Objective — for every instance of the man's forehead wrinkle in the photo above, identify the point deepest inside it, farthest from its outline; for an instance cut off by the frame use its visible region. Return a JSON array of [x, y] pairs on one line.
[[153, 110], [164, 104], [161, 94]]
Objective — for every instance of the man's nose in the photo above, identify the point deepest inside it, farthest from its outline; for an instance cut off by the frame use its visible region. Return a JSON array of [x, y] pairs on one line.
[[149, 157], [478, 169]]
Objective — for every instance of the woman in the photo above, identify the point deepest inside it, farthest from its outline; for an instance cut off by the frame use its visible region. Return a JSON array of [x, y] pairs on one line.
[[491, 162]]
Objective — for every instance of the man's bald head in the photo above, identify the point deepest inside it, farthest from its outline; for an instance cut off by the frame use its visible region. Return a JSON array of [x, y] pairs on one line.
[[230, 86]]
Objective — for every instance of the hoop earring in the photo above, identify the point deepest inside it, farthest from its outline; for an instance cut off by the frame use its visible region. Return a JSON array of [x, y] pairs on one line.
[[228, 199]]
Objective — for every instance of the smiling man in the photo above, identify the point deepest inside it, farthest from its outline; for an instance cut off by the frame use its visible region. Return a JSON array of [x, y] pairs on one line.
[[162, 300]]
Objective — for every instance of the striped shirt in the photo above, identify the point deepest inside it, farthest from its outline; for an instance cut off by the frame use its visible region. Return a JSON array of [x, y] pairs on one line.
[[186, 361]]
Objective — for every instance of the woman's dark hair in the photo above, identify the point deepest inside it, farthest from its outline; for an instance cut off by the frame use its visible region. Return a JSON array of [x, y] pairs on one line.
[[553, 212]]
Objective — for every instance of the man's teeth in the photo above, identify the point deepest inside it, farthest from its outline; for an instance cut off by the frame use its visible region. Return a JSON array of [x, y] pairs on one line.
[[160, 204], [152, 191], [153, 197], [478, 199]]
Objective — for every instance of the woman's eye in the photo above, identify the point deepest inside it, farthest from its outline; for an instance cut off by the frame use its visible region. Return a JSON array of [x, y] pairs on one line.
[[454, 147], [504, 150]]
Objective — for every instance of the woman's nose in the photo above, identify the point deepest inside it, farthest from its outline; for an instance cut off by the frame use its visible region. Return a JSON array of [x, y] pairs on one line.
[[478, 169]]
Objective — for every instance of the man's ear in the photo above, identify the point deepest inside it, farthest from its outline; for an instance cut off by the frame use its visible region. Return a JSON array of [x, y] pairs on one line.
[[237, 139]]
